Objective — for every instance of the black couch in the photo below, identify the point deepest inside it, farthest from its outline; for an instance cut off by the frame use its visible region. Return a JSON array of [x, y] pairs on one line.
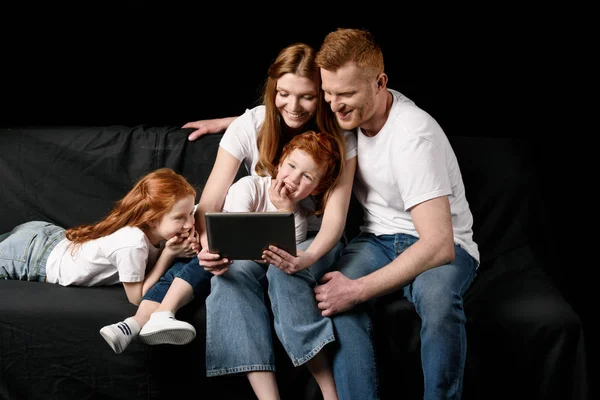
[[525, 340]]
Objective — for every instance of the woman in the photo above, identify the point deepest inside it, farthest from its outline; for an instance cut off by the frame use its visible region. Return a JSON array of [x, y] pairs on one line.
[[292, 103]]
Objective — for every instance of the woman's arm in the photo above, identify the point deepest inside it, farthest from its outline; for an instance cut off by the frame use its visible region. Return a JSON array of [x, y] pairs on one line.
[[208, 126], [212, 199], [334, 216], [213, 195]]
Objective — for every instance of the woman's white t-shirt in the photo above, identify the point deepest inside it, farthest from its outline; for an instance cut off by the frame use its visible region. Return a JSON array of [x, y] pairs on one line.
[[240, 140], [120, 257]]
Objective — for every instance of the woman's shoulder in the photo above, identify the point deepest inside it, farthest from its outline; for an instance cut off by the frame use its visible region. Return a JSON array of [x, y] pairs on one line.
[[248, 123], [255, 114]]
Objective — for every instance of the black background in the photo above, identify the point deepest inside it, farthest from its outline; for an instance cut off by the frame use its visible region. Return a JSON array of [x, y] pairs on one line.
[[503, 70], [138, 62]]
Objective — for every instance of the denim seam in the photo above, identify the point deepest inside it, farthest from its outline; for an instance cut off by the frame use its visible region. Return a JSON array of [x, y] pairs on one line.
[[238, 370], [49, 246], [312, 353], [24, 256]]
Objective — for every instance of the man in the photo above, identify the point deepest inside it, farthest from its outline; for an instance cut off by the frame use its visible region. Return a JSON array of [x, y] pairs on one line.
[[417, 232]]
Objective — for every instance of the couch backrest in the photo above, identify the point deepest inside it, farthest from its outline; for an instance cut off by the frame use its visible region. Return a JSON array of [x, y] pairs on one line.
[[74, 175]]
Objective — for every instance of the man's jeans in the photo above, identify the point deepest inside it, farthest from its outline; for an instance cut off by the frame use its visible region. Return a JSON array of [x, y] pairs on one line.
[[437, 296], [238, 324]]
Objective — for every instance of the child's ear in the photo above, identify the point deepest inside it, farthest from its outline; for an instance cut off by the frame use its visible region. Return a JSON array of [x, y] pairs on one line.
[[152, 223]]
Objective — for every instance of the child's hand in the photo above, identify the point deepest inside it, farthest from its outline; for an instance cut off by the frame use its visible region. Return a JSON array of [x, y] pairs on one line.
[[278, 193], [287, 262], [184, 245]]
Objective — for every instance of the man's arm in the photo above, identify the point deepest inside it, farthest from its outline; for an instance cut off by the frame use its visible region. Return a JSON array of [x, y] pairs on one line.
[[435, 247]]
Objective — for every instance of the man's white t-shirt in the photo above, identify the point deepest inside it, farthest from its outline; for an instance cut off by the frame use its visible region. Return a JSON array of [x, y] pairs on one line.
[[251, 193], [240, 140], [408, 162], [120, 257]]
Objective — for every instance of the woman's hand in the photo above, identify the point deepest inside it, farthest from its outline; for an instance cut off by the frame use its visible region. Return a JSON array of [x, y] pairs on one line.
[[213, 263], [287, 262], [208, 126], [278, 193]]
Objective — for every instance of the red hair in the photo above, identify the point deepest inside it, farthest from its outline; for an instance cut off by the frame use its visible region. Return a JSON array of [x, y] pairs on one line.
[[297, 59], [152, 196], [325, 151]]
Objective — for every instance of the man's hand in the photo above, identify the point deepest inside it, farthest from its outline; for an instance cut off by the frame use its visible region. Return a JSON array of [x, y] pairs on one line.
[[278, 193], [287, 262], [336, 293]]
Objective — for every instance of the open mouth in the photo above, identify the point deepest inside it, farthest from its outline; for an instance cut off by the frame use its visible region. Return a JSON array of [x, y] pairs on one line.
[[296, 116], [289, 187]]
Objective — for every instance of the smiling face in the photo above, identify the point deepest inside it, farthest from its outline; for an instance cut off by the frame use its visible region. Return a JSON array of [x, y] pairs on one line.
[[350, 95], [296, 99], [179, 219], [300, 174]]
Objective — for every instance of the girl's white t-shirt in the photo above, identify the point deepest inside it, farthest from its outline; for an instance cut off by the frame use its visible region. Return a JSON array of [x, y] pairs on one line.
[[120, 257], [240, 140], [251, 193], [408, 162]]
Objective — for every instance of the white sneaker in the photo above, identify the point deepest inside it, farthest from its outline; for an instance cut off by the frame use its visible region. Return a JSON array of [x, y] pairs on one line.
[[119, 335], [163, 328]]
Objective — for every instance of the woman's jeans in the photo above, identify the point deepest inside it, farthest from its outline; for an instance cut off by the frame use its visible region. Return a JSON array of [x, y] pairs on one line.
[[238, 324], [187, 269], [25, 250], [437, 296]]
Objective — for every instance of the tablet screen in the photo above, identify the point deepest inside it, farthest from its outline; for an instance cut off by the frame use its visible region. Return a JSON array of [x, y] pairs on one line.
[[244, 235]]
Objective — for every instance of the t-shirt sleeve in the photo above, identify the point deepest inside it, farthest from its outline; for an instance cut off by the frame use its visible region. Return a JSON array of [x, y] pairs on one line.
[[301, 222], [351, 144], [241, 196], [421, 172], [240, 136], [131, 262]]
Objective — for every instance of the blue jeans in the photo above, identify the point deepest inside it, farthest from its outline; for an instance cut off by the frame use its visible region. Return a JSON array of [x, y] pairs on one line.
[[437, 296], [25, 250], [238, 324], [187, 269]]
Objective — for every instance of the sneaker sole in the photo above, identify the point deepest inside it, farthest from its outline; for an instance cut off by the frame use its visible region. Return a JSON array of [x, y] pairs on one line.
[[178, 337], [112, 341]]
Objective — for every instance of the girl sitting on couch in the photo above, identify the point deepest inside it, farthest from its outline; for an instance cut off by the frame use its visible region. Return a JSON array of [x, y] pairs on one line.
[[134, 245]]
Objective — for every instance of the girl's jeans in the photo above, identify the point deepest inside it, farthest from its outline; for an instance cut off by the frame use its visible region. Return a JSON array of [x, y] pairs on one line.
[[25, 250], [238, 324]]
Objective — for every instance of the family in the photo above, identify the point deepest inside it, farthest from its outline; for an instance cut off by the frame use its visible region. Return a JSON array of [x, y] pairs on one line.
[[328, 126]]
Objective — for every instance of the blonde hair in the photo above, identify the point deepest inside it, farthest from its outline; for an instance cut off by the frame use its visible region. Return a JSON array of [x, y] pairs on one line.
[[351, 45], [298, 59], [152, 197]]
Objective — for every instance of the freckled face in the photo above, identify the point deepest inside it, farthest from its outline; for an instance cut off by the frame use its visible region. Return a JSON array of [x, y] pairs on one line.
[[179, 219], [296, 99], [300, 174]]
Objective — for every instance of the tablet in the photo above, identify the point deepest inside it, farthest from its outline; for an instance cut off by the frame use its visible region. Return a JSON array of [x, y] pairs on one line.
[[244, 235]]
